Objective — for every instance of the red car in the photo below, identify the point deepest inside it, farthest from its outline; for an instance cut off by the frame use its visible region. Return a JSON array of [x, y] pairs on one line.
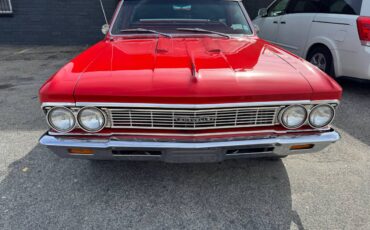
[[187, 81]]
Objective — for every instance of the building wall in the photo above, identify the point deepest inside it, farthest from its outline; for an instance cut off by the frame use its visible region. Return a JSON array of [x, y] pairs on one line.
[[65, 22]]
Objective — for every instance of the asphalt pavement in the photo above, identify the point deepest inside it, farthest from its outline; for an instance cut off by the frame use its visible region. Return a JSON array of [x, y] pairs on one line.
[[38, 190]]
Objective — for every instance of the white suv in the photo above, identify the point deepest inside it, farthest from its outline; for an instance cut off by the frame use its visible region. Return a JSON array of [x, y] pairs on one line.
[[334, 35]]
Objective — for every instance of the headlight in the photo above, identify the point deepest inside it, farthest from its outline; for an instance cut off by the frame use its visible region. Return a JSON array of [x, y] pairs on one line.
[[293, 117], [61, 119], [91, 119], [321, 116]]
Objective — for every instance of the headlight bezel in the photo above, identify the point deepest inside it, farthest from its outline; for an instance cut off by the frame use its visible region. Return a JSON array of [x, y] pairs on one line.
[[316, 107], [80, 124], [284, 110], [51, 125]]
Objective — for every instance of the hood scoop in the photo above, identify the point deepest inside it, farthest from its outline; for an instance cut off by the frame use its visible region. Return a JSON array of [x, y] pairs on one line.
[[194, 72], [206, 56]]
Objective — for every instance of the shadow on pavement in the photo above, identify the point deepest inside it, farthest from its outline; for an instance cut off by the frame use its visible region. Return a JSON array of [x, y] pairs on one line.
[[44, 191], [23, 71], [353, 115]]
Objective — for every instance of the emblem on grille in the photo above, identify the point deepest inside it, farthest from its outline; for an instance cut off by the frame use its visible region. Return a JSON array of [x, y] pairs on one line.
[[192, 120]]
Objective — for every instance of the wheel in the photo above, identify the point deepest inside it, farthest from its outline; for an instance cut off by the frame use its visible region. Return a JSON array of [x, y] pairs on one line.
[[321, 57]]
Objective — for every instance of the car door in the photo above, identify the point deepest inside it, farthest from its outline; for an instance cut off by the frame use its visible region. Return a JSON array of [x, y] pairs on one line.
[[295, 25], [269, 25]]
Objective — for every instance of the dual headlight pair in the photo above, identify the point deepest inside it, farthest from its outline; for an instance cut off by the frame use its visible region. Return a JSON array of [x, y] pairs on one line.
[[296, 116], [64, 120]]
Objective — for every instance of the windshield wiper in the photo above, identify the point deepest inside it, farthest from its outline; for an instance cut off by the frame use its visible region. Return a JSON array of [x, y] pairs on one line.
[[203, 31], [142, 30]]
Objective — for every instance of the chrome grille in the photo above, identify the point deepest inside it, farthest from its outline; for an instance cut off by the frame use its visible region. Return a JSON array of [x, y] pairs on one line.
[[192, 119]]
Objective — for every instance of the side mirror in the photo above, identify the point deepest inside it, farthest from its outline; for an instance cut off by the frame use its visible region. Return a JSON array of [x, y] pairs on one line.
[[262, 12], [105, 29], [256, 28]]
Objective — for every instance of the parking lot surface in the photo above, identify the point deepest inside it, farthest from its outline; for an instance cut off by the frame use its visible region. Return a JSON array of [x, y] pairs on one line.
[[38, 190]]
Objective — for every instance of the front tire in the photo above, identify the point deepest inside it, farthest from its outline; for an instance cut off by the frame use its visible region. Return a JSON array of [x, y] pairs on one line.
[[322, 58]]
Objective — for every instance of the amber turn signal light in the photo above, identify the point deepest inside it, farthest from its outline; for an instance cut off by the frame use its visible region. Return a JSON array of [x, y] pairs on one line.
[[81, 151], [301, 147]]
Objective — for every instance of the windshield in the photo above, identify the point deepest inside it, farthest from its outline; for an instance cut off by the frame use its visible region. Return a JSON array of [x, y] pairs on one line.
[[179, 17]]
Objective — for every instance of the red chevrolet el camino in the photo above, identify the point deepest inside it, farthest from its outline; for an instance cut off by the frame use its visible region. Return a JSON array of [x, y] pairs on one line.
[[187, 81]]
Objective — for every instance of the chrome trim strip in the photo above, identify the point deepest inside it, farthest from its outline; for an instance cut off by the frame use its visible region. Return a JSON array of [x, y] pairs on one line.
[[205, 106], [325, 102], [156, 109], [334, 23], [189, 135], [190, 129], [189, 106], [55, 104]]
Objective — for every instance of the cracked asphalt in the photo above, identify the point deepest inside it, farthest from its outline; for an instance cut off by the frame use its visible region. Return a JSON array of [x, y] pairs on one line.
[[325, 190]]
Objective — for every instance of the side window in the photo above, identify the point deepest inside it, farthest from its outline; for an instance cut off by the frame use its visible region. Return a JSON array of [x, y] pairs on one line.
[[303, 6], [278, 8], [341, 7]]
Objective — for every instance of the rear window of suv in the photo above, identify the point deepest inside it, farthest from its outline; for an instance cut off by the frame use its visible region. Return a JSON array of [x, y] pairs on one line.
[[351, 7], [341, 6]]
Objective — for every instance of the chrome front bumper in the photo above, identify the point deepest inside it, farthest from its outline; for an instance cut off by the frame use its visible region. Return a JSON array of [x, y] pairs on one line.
[[180, 152]]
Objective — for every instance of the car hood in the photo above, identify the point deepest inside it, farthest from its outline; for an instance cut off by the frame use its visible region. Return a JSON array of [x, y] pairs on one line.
[[195, 70]]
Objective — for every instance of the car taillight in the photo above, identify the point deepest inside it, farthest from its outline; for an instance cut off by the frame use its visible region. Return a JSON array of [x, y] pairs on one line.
[[363, 25]]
